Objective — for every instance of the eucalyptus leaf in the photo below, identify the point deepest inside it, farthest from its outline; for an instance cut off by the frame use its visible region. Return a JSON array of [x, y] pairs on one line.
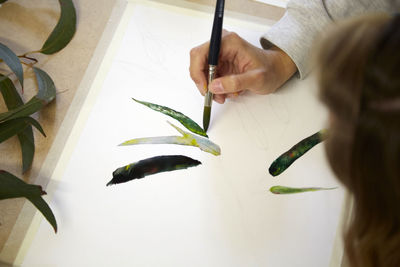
[[26, 139], [187, 139], [27, 143], [13, 187], [64, 30], [12, 61], [46, 94], [27, 109], [182, 118], [47, 89], [12, 127]]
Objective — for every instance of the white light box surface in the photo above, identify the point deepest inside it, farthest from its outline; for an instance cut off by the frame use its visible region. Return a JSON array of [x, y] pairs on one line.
[[220, 213]]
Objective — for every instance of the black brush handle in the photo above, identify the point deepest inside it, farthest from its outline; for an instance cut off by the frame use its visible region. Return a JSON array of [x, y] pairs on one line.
[[215, 41]]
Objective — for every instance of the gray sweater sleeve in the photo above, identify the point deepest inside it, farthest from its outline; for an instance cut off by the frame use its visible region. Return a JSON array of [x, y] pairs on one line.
[[304, 20]]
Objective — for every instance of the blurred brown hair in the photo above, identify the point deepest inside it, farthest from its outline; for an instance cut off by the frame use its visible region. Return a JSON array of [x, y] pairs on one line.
[[358, 65]]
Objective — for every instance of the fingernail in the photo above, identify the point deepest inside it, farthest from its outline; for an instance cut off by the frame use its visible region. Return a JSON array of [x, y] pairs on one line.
[[201, 88], [217, 87]]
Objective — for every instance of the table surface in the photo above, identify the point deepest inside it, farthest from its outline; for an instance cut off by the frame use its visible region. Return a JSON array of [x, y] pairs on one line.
[[96, 23], [219, 205]]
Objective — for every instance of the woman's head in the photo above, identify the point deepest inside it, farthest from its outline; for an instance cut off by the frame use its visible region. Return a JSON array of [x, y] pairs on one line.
[[359, 78]]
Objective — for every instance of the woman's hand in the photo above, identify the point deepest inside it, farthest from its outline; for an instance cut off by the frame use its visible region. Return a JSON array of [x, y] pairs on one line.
[[241, 67]]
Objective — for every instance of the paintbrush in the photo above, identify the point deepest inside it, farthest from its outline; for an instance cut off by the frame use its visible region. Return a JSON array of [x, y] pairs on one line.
[[215, 44]]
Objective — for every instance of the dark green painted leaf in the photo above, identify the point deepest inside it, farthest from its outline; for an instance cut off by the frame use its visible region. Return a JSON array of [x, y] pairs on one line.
[[289, 157], [150, 166], [12, 62], [13, 187], [64, 30], [278, 189], [12, 127], [182, 118], [13, 100], [47, 89]]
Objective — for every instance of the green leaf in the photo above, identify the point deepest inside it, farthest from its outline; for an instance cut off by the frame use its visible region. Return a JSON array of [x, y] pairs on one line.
[[16, 126], [12, 62], [10, 94], [13, 187], [64, 30], [278, 189], [27, 109], [26, 140], [47, 93], [27, 143], [187, 139], [182, 118], [47, 89]]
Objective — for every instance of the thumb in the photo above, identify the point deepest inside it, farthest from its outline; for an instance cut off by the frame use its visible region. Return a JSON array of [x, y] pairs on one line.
[[251, 80]]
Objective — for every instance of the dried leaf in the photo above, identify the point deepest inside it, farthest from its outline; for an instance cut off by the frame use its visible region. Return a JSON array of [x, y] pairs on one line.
[[13, 187], [286, 159], [151, 166], [13, 100], [182, 118], [12, 62], [187, 139], [64, 30], [16, 126], [278, 189]]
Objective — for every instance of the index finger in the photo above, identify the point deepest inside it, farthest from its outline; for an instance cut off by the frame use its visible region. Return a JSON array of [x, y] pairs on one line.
[[198, 66]]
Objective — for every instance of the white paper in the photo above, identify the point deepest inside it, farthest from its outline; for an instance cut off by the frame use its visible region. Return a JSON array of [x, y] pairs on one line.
[[217, 214]]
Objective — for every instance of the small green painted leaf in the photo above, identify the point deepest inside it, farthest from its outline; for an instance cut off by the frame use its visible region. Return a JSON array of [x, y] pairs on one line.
[[286, 159], [13, 100], [47, 89], [278, 189], [64, 30], [149, 166], [187, 139], [12, 61], [13, 187], [182, 118], [12, 127]]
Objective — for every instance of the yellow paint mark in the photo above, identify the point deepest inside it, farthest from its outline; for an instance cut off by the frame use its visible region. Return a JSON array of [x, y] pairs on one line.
[[127, 167]]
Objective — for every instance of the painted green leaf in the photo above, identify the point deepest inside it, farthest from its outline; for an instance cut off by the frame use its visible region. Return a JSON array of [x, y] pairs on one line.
[[13, 187], [149, 166], [64, 30], [286, 159], [187, 139], [16, 126], [182, 118], [278, 189], [12, 61], [13, 100], [47, 89]]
